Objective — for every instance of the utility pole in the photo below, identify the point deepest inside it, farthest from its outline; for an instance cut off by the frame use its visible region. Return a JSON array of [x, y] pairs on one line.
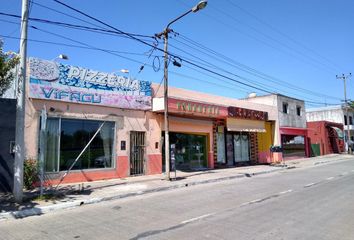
[[202, 4], [20, 109], [344, 78]]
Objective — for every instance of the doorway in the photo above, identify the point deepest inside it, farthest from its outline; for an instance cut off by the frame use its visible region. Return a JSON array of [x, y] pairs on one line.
[[137, 153], [241, 147], [238, 148]]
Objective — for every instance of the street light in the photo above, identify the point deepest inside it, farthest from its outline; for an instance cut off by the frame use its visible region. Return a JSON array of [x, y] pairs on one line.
[[61, 56], [124, 71], [167, 30]]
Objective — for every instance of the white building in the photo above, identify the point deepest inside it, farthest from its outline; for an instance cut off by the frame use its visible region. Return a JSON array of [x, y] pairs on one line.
[[337, 114]]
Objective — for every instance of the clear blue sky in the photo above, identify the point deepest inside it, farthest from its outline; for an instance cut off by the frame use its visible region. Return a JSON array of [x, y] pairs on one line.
[[291, 47]]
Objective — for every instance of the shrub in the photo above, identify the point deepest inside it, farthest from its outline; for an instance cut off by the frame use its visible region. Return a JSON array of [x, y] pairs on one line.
[[30, 173]]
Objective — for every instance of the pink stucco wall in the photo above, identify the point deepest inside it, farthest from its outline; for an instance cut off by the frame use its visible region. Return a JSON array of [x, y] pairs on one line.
[[126, 121]]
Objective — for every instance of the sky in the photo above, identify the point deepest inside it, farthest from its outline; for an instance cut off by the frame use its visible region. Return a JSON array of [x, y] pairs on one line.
[[231, 48]]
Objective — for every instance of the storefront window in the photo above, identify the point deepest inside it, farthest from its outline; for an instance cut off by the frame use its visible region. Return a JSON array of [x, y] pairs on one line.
[[293, 146], [238, 147], [190, 150], [66, 138], [221, 147], [241, 148]]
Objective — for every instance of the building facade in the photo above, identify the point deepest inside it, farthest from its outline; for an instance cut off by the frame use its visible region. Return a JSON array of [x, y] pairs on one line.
[[231, 132], [325, 137], [336, 114], [85, 125], [291, 122], [96, 125]]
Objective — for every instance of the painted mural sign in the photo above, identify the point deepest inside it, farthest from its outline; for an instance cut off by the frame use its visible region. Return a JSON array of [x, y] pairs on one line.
[[55, 81], [245, 113]]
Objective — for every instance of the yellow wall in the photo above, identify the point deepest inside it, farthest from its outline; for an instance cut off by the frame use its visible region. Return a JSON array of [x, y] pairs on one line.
[[265, 140]]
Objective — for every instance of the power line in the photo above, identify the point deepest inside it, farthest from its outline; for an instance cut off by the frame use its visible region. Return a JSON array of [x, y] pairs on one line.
[[233, 27], [75, 26], [143, 42], [73, 45], [282, 33], [191, 63], [83, 27], [246, 68], [276, 40]]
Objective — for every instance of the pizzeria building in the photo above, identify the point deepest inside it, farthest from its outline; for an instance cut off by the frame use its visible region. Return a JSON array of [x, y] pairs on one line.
[[89, 125]]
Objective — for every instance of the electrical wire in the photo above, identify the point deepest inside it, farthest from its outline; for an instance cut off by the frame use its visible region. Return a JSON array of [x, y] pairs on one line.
[[282, 33], [72, 45], [267, 36], [211, 53], [143, 42], [75, 26], [189, 62]]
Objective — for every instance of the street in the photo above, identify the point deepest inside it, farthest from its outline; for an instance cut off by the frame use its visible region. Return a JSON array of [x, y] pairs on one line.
[[310, 203]]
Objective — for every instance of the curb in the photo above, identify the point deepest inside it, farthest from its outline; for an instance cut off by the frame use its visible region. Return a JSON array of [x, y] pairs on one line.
[[37, 211]]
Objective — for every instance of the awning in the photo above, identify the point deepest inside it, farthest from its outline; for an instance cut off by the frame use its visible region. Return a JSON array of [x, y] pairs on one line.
[[243, 125], [339, 132]]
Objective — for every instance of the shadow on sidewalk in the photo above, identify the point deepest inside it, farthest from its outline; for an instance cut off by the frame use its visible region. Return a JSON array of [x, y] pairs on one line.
[[31, 199]]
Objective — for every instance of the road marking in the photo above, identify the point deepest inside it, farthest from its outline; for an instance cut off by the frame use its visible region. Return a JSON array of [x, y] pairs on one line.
[[329, 178], [197, 218], [266, 198], [287, 191], [353, 170], [251, 202], [310, 184], [345, 173]]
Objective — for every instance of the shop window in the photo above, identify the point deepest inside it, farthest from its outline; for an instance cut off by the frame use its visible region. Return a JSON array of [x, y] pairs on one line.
[[298, 110], [293, 146], [190, 150], [66, 138], [220, 143], [345, 120], [350, 120], [285, 108]]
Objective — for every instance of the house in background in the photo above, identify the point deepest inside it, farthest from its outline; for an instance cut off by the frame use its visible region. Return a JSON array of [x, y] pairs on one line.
[[325, 137], [292, 123], [335, 114]]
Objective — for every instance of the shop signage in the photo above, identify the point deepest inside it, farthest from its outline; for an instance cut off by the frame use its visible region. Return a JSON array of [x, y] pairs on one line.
[[195, 108], [198, 108], [245, 113], [55, 81]]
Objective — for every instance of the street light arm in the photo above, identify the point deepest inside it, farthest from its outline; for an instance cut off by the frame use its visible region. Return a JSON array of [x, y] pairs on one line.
[[176, 19]]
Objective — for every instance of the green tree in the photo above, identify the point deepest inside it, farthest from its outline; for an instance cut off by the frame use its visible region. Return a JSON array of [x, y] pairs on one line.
[[351, 104], [8, 61]]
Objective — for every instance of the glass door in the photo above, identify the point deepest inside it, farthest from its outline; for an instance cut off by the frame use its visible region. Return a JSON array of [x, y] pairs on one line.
[[241, 147]]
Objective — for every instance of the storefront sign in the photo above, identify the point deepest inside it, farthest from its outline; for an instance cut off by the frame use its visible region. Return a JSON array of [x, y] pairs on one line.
[[56, 81], [195, 108], [244, 113]]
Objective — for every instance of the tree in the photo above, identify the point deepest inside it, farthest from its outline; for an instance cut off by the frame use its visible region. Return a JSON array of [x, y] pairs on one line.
[[351, 104], [8, 61]]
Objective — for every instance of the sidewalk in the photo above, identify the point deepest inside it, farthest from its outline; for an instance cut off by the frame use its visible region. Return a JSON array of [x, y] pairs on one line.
[[74, 195]]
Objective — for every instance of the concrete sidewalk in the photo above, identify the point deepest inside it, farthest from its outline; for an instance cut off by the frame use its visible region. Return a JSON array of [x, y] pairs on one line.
[[74, 195]]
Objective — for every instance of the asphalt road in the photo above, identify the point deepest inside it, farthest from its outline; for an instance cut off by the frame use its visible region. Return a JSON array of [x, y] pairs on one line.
[[312, 203]]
